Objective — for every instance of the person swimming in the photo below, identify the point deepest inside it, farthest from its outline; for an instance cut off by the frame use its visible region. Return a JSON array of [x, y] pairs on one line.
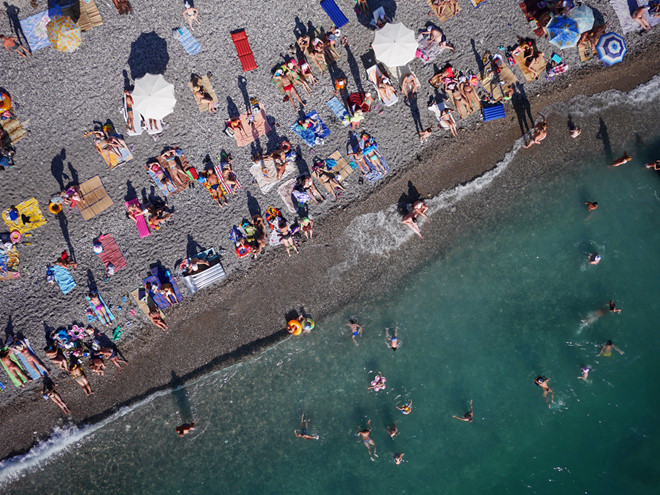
[[542, 382], [606, 351], [356, 330], [594, 258], [467, 417], [585, 373], [392, 431], [398, 458], [612, 307], [366, 440], [406, 408], [184, 429], [393, 341], [303, 430]]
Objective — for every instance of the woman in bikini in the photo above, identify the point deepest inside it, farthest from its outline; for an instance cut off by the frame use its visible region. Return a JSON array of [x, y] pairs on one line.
[[459, 98], [100, 308], [160, 175], [13, 369], [296, 76], [107, 144], [447, 121], [316, 51], [328, 178], [191, 15], [307, 183], [176, 172], [78, 375], [409, 86], [203, 97], [470, 95], [286, 237], [49, 392]]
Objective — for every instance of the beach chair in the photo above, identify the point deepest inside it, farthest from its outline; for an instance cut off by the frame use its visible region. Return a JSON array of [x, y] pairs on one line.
[[111, 255], [374, 75], [379, 14], [243, 50], [29, 217], [334, 12], [205, 84], [141, 223], [187, 40], [207, 275], [538, 65], [138, 124], [94, 198], [152, 132], [436, 9], [89, 15]]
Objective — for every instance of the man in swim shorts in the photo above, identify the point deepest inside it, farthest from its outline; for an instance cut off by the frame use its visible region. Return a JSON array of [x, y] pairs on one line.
[[368, 442], [591, 206], [542, 382], [186, 428], [393, 342], [12, 44], [356, 330], [398, 458], [303, 430]]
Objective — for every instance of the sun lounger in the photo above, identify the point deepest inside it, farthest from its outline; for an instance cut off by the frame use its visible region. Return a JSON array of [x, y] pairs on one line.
[[624, 9], [538, 65], [340, 111], [141, 223], [249, 133], [205, 84], [93, 198], [123, 6], [313, 135], [152, 132], [111, 254], [137, 120], [206, 275], [161, 301], [377, 14], [16, 381], [13, 127], [436, 10], [145, 302], [244, 51], [265, 173], [63, 278], [374, 74], [285, 191], [493, 112], [497, 84], [187, 40], [336, 15], [89, 15], [107, 309], [9, 262], [29, 217]]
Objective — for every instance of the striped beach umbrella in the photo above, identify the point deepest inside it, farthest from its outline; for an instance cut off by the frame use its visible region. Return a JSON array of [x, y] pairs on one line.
[[563, 32], [584, 18], [611, 48], [63, 33]]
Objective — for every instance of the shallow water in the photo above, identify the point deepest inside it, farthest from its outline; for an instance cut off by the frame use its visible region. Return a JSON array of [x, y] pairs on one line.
[[506, 304]]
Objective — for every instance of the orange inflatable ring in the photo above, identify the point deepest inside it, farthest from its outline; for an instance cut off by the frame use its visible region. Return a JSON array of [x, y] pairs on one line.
[[285, 146], [5, 102], [54, 208], [294, 327]]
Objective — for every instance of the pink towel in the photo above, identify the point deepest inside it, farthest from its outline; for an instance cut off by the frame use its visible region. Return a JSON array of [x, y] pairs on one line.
[[141, 223]]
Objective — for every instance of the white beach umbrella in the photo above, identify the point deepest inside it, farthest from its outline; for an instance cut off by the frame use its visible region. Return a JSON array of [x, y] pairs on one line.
[[153, 96], [395, 45]]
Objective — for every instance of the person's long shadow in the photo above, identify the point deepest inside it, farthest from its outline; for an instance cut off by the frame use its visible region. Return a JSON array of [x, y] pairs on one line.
[[242, 85], [64, 226], [522, 108], [300, 29], [253, 205], [193, 247], [57, 168], [131, 193], [9, 329], [74, 174], [148, 55], [303, 168], [232, 109], [477, 57], [604, 136], [15, 22], [180, 397], [414, 111], [355, 69], [127, 81], [408, 198], [91, 282]]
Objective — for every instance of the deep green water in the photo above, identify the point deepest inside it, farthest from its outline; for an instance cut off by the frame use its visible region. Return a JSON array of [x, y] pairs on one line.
[[504, 305]]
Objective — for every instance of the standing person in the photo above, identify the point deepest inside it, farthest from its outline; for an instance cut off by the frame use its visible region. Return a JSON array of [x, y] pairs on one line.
[[191, 15], [393, 341], [307, 226], [356, 330], [286, 237], [591, 206], [542, 382], [49, 392], [186, 428], [303, 430], [12, 44], [129, 111], [606, 351], [467, 417], [366, 440]]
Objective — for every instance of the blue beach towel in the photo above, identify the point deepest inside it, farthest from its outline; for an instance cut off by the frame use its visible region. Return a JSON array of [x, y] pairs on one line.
[[161, 301], [34, 28], [375, 175], [166, 190], [63, 278], [33, 374], [187, 40], [334, 12], [107, 309], [340, 111], [315, 134]]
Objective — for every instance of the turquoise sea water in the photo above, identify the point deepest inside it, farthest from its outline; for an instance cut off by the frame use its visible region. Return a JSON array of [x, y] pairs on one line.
[[512, 301]]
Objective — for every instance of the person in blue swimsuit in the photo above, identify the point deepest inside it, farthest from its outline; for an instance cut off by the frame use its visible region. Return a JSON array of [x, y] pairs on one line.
[[393, 342], [303, 430], [356, 330]]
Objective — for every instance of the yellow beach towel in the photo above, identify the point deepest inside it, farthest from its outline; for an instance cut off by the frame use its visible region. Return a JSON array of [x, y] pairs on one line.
[[30, 210]]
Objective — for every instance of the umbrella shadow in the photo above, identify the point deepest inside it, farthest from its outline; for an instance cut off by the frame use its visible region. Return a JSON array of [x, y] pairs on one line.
[[148, 55]]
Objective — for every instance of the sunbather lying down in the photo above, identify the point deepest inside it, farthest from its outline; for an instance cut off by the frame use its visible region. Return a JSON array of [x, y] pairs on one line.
[[213, 185], [384, 85], [203, 97], [107, 145]]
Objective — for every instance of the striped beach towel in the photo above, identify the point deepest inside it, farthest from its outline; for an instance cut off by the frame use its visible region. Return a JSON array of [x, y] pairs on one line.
[[187, 40], [340, 111]]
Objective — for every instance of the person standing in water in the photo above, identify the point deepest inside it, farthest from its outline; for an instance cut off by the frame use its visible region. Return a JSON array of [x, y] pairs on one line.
[[366, 440], [467, 417], [303, 430], [356, 330], [393, 342], [542, 382], [186, 428], [418, 209], [606, 351]]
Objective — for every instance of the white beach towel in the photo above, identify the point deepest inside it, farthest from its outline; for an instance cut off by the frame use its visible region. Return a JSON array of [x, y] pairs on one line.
[[267, 183], [624, 9]]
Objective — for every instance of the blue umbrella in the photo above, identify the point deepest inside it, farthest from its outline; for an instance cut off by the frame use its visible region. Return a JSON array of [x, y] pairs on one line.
[[584, 17], [611, 48], [563, 32]]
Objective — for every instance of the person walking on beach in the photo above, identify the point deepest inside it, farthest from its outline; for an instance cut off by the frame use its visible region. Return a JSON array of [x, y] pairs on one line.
[[356, 330], [367, 441], [186, 428], [467, 417], [393, 341], [606, 351], [542, 382], [191, 15], [625, 158], [303, 430], [591, 206]]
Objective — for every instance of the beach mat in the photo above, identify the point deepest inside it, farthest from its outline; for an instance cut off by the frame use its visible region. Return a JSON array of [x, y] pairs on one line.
[[113, 160], [285, 191], [185, 182], [493, 112], [340, 111], [538, 65], [63, 278], [334, 12], [9, 263], [141, 224], [94, 198], [13, 127], [267, 181], [28, 211], [313, 135], [251, 133], [443, 18], [166, 190], [472, 109], [243, 50], [34, 374], [89, 15], [144, 302], [491, 79], [111, 253], [187, 40], [375, 175], [107, 309], [585, 51], [16, 381], [161, 301], [205, 84]]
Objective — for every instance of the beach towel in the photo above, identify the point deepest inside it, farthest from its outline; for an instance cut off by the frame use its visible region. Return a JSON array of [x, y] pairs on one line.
[[340, 111], [584, 49], [112, 159], [145, 302], [538, 65], [13, 127], [463, 115], [428, 50], [152, 132], [337, 165], [249, 133], [63, 278], [160, 299], [182, 164], [34, 374], [285, 191], [334, 12], [477, 3], [265, 173], [624, 9], [314, 134], [168, 189], [243, 50], [141, 223], [497, 83], [9, 262], [436, 10], [107, 309], [16, 381], [187, 40], [89, 15], [93, 198], [374, 74], [219, 170], [205, 84], [137, 120], [29, 217], [34, 28], [111, 254], [368, 155]]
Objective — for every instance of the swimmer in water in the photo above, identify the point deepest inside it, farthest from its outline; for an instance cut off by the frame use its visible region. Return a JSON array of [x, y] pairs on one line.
[[591, 206], [393, 342], [467, 416], [185, 429], [303, 430], [594, 258], [585, 373], [366, 440], [392, 431], [612, 307], [621, 160], [606, 351], [542, 382], [398, 458], [406, 408], [356, 330], [654, 165]]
